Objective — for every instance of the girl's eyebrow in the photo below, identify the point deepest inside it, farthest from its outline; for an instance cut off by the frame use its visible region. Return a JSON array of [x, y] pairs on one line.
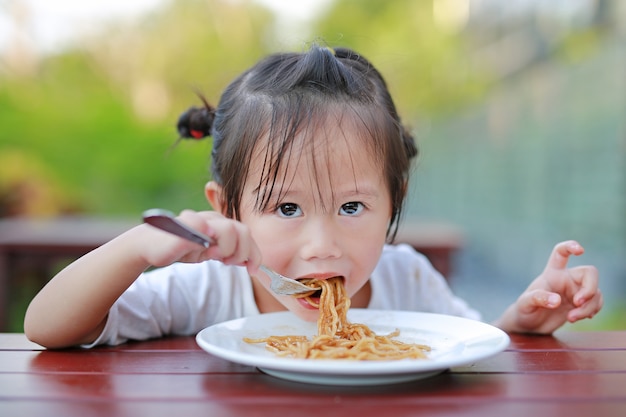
[[365, 190], [361, 190]]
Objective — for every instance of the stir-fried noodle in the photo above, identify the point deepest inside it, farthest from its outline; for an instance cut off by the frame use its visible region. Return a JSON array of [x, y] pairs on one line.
[[337, 338]]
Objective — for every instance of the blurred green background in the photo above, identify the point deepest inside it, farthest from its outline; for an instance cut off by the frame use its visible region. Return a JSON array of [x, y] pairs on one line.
[[518, 108]]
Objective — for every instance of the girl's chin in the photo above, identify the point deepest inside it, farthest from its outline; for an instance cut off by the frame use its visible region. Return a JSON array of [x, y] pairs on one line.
[[306, 305], [305, 311]]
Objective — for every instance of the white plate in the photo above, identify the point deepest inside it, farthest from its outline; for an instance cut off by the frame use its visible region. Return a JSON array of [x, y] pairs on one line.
[[454, 341]]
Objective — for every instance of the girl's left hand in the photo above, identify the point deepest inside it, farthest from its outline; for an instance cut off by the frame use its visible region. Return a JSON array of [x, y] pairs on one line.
[[558, 295]]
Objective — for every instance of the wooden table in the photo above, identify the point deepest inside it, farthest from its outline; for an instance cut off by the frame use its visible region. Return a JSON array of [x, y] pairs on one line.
[[34, 249], [572, 374]]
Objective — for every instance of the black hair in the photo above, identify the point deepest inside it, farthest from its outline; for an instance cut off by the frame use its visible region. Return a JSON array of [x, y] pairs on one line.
[[288, 93]]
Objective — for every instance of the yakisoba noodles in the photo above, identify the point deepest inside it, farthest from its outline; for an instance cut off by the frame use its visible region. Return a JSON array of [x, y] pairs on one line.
[[336, 337]]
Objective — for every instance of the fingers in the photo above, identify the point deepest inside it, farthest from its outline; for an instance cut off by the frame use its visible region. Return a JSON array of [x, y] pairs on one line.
[[561, 253], [586, 277], [585, 304], [589, 308], [233, 242], [532, 300], [560, 293]]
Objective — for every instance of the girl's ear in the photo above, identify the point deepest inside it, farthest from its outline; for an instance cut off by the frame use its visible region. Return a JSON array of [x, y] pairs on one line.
[[213, 192]]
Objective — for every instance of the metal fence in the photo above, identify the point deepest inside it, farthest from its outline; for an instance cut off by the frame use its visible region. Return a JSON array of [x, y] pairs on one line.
[[543, 159]]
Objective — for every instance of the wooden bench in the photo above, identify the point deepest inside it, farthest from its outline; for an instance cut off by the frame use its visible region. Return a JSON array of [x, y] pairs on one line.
[[33, 250]]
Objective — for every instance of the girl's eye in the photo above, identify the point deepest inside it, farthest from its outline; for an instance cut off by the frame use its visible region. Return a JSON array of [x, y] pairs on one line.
[[289, 210], [352, 208]]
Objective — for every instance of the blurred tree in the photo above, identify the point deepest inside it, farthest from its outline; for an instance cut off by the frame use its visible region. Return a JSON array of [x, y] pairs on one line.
[[424, 58], [191, 44], [27, 187], [101, 117]]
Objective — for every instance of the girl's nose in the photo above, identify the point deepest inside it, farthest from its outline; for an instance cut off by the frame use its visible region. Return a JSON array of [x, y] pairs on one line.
[[321, 240]]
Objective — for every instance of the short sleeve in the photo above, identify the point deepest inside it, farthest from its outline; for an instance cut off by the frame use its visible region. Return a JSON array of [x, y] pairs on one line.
[[180, 299]]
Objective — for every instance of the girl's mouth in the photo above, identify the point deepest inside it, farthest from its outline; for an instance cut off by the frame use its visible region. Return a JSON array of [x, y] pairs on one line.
[[312, 300], [317, 294], [309, 303]]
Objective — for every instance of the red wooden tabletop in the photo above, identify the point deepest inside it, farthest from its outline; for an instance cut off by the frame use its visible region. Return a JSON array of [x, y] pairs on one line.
[[570, 374]]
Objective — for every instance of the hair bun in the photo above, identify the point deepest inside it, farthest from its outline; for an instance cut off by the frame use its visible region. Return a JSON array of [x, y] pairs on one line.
[[196, 122]]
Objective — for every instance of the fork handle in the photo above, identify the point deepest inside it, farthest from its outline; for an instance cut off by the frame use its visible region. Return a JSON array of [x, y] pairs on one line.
[[166, 220]]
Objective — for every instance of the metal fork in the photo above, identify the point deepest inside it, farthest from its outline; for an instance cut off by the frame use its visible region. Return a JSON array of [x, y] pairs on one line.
[[167, 221]]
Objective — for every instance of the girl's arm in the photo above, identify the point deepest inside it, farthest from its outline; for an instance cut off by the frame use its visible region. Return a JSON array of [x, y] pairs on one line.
[[560, 294], [72, 308]]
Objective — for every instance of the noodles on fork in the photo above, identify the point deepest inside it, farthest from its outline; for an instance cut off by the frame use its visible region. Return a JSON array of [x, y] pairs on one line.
[[336, 337]]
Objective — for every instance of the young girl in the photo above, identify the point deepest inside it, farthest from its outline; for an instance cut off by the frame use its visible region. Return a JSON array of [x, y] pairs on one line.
[[310, 169]]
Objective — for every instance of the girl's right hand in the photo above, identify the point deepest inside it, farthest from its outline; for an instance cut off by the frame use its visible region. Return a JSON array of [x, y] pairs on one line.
[[233, 242]]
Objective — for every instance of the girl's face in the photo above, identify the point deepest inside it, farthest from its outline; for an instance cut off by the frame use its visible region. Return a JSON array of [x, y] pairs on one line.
[[330, 219]]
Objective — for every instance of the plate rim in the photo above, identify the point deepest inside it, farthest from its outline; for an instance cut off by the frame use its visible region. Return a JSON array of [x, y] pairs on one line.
[[354, 368]]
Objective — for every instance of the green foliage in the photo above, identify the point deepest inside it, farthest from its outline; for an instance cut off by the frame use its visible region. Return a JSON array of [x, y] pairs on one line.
[[99, 120], [87, 135], [82, 121], [427, 67]]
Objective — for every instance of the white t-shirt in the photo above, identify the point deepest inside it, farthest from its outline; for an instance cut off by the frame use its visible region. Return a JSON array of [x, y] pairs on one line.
[[182, 299]]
